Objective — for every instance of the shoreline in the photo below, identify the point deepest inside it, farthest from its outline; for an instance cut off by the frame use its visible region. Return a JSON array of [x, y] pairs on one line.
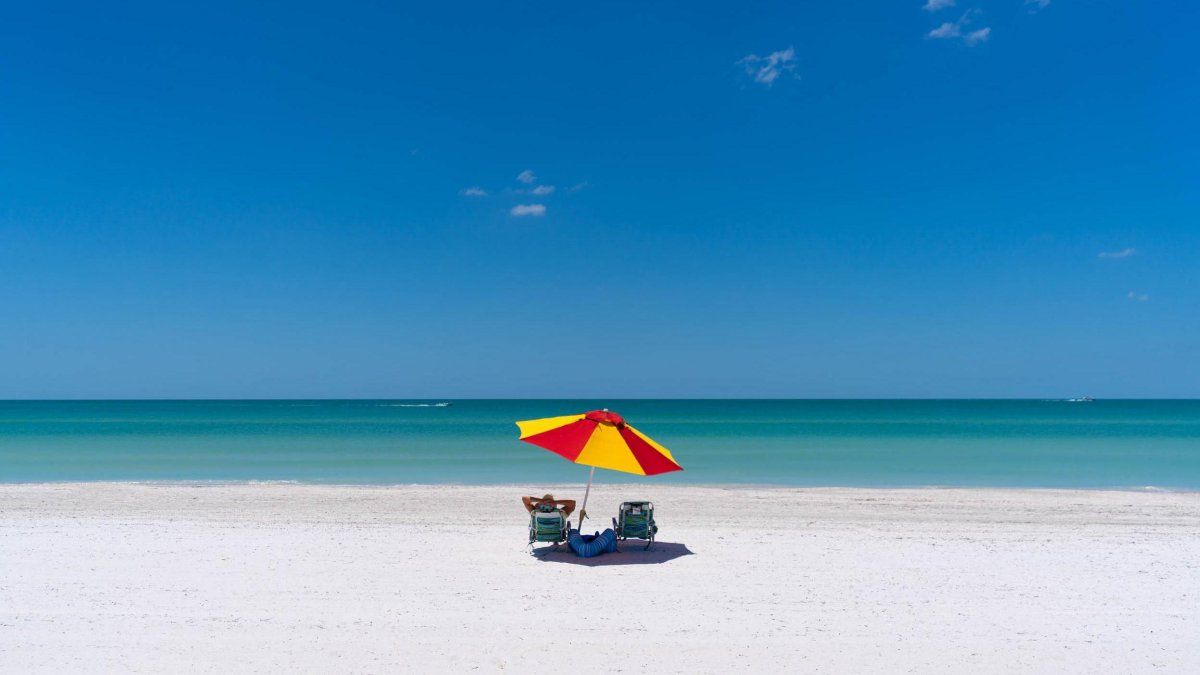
[[625, 483]]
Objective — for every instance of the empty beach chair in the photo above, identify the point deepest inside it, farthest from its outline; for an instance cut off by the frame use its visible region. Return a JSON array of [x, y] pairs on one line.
[[636, 521], [547, 524]]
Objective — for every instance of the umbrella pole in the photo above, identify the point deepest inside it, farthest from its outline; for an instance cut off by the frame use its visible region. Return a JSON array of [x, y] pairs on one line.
[[586, 492]]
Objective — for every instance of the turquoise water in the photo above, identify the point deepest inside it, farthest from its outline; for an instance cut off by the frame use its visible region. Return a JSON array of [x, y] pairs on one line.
[[854, 443]]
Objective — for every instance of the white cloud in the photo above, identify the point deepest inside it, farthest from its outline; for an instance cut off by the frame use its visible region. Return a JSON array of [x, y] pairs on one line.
[[954, 30], [526, 177], [1038, 4], [1123, 253], [473, 192], [578, 186], [1137, 297], [767, 69], [976, 36], [935, 5], [542, 190], [946, 30], [528, 210]]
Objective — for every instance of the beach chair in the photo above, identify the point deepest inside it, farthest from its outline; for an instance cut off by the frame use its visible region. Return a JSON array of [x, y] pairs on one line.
[[547, 524], [636, 521]]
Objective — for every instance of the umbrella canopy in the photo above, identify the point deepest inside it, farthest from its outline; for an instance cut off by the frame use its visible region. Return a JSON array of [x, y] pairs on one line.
[[599, 439]]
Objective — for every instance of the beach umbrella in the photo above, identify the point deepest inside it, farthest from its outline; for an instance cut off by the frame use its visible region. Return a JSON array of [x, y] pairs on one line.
[[599, 439]]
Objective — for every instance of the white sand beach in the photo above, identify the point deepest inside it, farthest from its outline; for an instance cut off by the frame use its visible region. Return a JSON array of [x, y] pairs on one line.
[[270, 577]]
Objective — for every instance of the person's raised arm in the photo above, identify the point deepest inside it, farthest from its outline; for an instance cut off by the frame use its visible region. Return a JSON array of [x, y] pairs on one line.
[[567, 505], [528, 502]]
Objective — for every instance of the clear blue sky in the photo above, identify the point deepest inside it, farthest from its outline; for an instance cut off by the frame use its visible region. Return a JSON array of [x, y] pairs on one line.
[[994, 198]]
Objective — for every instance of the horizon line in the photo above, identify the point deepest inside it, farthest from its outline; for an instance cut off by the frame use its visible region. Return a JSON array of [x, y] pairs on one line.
[[589, 398]]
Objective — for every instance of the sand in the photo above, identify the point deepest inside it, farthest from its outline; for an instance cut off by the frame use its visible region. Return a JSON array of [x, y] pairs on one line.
[[270, 577]]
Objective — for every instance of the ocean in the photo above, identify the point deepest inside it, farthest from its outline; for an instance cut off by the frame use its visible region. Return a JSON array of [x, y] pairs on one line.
[[884, 443]]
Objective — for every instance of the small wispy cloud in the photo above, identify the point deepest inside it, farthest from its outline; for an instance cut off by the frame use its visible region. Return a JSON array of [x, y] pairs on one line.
[[1123, 253], [578, 186], [1037, 4], [766, 69], [954, 30], [542, 190], [473, 192], [935, 5], [976, 36], [526, 177], [1137, 297], [528, 210], [944, 31]]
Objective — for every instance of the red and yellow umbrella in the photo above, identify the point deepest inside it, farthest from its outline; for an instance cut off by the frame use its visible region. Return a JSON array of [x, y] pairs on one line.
[[599, 439]]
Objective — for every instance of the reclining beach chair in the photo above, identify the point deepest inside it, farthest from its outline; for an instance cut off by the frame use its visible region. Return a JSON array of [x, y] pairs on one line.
[[636, 521], [547, 524]]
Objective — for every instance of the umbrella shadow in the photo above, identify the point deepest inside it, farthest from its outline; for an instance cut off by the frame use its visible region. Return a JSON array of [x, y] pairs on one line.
[[631, 553]]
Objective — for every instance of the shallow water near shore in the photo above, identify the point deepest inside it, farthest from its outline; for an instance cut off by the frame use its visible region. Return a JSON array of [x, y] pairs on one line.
[[994, 443]]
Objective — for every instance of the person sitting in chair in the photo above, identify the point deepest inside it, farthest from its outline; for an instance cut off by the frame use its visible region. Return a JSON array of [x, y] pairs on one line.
[[531, 503]]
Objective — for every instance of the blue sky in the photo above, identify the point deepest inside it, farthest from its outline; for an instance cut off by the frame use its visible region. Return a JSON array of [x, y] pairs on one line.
[[989, 198]]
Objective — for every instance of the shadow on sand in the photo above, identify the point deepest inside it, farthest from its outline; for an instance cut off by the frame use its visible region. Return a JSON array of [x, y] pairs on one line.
[[631, 553]]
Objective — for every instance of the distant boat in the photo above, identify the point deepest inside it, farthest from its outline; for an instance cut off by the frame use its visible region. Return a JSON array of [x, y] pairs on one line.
[[1081, 399]]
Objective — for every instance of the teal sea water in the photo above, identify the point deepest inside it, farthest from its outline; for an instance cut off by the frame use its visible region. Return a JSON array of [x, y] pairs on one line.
[[1013, 443]]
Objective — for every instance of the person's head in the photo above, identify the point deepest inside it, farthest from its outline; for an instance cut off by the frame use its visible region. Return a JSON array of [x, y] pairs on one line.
[[547, 497]]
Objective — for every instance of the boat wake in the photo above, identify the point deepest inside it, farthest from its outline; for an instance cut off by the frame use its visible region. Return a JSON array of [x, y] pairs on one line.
[[443, 404]]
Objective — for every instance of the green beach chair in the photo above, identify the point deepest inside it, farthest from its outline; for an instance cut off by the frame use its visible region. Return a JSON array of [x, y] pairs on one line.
[[635, 520], [547, 524]]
